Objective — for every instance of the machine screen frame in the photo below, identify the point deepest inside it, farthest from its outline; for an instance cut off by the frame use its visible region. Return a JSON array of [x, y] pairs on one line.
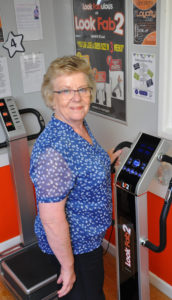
[[137, 162]]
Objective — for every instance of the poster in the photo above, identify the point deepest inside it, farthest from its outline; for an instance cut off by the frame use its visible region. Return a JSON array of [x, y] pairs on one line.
[[1, 32], [100, 38], [144, 22], [28, 19], [143, 76], [5, 88], [33, 69]]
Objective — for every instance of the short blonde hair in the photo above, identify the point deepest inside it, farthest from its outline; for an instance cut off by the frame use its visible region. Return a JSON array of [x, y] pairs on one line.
[[66, 65]]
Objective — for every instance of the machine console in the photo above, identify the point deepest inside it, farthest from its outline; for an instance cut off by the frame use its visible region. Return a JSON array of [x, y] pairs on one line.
[[11, 120], [137, 162]]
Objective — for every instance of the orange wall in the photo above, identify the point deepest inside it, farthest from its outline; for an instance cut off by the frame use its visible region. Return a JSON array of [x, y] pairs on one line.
[[160, 263], [8, 214]]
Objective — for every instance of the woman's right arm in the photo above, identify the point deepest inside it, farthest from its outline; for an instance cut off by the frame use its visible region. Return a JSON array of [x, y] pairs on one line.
[[54, 220]]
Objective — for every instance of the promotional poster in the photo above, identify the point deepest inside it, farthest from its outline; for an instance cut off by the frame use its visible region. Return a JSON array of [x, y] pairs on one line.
[[144, 13], [100, 38]]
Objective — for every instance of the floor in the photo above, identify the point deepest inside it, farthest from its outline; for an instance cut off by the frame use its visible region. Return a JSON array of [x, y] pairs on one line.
[[110, 287]]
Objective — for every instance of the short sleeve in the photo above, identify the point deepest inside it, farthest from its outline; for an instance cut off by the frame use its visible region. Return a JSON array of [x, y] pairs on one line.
[[51, 176]]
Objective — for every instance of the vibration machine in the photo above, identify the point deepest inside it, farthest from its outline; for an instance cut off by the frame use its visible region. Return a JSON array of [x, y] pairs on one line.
[[25, 270], [131, 184]]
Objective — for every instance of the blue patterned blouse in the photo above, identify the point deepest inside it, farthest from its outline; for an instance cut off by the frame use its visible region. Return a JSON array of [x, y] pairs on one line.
[[64, 164]]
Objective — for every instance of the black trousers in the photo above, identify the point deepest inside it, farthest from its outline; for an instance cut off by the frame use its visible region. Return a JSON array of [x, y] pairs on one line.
[[89, 271]]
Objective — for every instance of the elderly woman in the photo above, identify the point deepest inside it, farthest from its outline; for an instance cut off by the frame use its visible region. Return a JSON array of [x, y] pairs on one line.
[[71, 175]]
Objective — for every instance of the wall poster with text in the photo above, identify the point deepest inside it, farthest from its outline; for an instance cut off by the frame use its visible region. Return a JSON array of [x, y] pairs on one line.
[[100, 38], [144, 22]]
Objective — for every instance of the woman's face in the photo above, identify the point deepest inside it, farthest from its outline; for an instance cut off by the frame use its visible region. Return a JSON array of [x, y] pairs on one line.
[[70, 109]]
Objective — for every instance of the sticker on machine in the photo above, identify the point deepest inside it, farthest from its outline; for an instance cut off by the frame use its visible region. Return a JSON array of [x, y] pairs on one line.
[[127, 248]]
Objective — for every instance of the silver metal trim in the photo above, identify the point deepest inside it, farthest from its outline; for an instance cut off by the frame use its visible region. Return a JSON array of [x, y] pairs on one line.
[[116, 238], [54, 294], [142, 252]]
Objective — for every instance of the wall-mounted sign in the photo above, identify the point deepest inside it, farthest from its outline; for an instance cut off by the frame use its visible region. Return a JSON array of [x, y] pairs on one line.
[[5, 88], [143, 76], [14, 43], [100, 38], [33, 70], [28, 19], [144, 22]]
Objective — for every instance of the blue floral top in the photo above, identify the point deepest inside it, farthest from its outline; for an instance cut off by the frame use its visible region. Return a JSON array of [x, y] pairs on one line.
[[64, 164]]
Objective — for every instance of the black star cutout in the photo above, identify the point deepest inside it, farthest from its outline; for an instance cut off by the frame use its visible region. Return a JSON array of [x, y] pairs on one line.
[[14, 44]]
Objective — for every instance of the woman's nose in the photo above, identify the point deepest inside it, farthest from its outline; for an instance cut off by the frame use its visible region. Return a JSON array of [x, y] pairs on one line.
[[76, 95]]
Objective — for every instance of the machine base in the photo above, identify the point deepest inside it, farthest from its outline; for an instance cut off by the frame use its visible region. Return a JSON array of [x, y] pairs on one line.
[[30, 275]]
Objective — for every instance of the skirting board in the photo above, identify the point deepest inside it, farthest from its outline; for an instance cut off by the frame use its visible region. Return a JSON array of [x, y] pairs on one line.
[[10, 243], [160, 284]]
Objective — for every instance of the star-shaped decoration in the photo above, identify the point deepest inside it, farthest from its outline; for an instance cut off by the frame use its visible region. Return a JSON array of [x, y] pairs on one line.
[[14, 44]]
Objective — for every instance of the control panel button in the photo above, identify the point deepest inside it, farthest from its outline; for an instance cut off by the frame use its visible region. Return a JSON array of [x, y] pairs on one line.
[[5, 114], [143, 166], [129, 161], [136, 163]]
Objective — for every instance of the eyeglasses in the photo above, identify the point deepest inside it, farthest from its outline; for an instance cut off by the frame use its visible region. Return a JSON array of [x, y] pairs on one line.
[[69, 94]]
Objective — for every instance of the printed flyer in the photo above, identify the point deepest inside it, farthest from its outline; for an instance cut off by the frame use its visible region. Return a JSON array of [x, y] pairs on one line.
[[100, 38], [143, 76], [144, 22]]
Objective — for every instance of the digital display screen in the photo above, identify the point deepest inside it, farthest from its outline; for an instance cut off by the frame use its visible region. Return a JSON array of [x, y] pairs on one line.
[[137, 161]]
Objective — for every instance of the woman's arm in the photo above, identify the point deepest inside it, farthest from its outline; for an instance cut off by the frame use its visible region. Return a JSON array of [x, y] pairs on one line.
[[53, 218]]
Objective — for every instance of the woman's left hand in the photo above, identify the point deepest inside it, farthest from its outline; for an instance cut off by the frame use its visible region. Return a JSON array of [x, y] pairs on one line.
[[114, 155]]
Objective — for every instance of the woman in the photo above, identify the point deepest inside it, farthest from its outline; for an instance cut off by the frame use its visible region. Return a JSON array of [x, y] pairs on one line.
[[71, 175]]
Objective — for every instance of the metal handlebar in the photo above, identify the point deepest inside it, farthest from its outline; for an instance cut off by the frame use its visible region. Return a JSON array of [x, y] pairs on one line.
[[163, 217], [3, 145], [39, 118], [119, 147]]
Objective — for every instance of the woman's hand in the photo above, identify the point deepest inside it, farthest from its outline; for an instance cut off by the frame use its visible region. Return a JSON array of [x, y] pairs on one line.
[[114, 155], [67, 278]]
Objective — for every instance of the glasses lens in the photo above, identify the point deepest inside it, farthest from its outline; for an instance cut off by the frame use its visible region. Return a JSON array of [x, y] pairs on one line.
[[69, 94], [84, 92]]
